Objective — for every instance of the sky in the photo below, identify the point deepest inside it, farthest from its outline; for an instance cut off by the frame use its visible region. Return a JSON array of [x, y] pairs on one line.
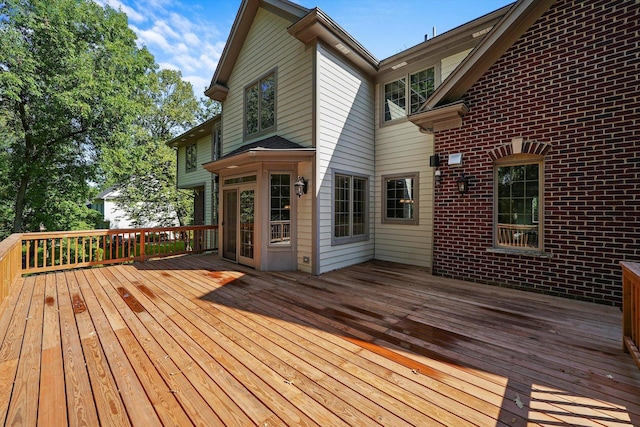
[[190, 35]]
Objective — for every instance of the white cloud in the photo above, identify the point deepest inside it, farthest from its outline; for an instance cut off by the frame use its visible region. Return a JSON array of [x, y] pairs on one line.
[[152, 38], [187, 63], [191, 39], [199, 83], [168, 66], [132, 14], [180, 37]]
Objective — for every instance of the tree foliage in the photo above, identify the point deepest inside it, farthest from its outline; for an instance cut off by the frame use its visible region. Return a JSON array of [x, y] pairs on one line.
[[70, 79], [144, 169]]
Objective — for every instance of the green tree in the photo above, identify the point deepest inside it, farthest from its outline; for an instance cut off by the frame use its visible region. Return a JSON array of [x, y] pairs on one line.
[[144, 170], [69, 77]]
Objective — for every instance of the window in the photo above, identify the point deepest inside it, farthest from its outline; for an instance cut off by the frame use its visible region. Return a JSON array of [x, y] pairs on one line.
[[400, 199], [421, 85], [191, 158], [280, 220], [518, 203], [394, 100], [260, 105], [350, 207], [217, 144]]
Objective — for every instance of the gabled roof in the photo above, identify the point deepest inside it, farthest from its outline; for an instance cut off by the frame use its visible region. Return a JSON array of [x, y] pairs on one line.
[[109, 193], [520, 17], [246, 13]]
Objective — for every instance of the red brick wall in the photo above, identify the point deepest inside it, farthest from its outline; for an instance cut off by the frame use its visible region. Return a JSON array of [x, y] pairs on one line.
[[572, 81]]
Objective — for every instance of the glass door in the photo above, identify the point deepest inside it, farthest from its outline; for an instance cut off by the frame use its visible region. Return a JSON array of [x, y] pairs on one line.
[[230, 225], [238, 225], [247, 223]]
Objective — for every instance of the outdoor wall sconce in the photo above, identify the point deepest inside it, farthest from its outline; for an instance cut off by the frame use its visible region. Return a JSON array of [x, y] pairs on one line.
[[438, 176], [300, 186], [463, 184]]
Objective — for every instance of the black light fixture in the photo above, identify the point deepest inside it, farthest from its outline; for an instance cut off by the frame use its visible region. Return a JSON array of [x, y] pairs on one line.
[[300, 186], [463, 184]]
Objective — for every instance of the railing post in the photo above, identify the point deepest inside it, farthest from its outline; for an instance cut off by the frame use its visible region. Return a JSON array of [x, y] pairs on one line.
[[143, 238], [631, 309]]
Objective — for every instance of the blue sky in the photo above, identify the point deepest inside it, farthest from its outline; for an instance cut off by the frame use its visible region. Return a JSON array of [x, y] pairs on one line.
[[189, 35]]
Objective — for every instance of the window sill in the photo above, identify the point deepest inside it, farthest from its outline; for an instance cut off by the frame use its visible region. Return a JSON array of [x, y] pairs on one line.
[[509, 251]]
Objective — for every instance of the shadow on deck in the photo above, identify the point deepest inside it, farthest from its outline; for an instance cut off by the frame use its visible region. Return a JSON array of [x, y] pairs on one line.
[[196, 340]]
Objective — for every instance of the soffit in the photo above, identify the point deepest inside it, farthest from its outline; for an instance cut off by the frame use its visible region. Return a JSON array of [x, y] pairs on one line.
[[451, 42], [194, 134], [317, 25]]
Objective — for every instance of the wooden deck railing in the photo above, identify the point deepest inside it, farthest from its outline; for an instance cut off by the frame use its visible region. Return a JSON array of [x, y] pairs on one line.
[[39, 252], [631, 309], [10, 267]]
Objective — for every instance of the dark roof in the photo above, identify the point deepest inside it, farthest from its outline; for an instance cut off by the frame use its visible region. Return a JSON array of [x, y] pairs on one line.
[[104, 193], [271, 143]]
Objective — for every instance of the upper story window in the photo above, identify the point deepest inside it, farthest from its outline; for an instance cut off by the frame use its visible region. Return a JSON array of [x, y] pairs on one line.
[[217, 144], [350, 207], [191, 158], [260, 105], [518, 194], [400, 199], [401, 99]]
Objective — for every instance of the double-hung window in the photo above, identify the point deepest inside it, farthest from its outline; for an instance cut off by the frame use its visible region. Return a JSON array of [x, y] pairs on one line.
[[260, 105], [401, 99], [350, 208], [191, 158], [518, 202], [400, 198]]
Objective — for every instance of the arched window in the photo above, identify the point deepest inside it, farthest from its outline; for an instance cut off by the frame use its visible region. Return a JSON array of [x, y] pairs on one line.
[[518, 176]]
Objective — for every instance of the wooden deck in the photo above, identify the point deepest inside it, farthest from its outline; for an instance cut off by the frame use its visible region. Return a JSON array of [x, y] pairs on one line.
[[195, 340]]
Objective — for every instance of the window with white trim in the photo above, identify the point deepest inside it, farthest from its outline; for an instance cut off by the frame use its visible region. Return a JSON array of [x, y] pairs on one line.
[[396, 93], [518, 202], [260, 105], [350, 208], [400, 198]]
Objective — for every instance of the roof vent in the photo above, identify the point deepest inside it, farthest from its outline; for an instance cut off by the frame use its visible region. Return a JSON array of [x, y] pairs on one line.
[[342, 48]]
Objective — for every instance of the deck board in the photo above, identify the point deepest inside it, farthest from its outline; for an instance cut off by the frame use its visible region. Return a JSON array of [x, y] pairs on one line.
[[194, 340]]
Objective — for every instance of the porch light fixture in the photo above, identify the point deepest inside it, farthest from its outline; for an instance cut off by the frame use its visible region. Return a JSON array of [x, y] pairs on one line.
[[300, 186], [438, 176], [463, 184]]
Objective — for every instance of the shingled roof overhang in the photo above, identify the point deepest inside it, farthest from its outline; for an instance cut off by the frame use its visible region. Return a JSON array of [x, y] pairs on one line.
[[272, 149]]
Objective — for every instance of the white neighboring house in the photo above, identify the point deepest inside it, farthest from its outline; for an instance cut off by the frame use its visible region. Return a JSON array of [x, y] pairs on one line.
[[113, 216]]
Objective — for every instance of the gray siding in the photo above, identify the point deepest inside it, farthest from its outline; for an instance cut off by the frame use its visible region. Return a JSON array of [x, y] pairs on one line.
[[200, 176], [345, 143], [450, 63], [268, 46], [401, 148]]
